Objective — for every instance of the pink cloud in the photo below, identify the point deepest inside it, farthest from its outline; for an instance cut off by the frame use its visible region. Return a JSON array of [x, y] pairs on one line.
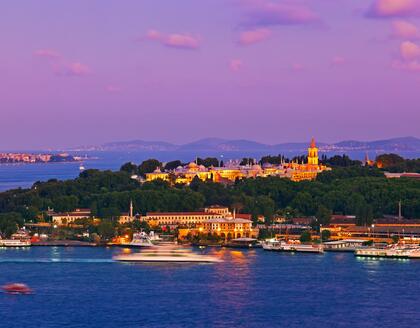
[[409, 51], [409, 57], [338, 60], [61, 66], [267, 13], [298, 67], [254, 36], [47, 53], [112, 89], [235, 65], [413, 66], [394, 8], [70, 69], [180, 41], [404, 30]]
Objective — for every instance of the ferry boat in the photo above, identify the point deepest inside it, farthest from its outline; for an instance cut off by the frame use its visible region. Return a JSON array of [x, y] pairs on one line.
[[394, 251], [167, 254], [14, 243], [282, 246]]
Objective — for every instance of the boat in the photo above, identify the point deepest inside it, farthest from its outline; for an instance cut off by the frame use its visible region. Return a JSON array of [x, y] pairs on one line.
[[141, 240], [167, 254], [81, 168], [282, 246], [17, 288], [393, 251], [14, 243], [243, 243], [344, 245]]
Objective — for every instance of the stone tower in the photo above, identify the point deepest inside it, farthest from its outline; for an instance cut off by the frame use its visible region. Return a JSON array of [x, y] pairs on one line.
[[313, 153]]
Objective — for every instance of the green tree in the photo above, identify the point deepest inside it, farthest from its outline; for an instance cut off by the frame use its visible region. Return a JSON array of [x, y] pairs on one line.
[[106, 230], [323, 215], [325, 235], [130, 168], [305, 237], [172, 165], [10, 223], [149, 166]]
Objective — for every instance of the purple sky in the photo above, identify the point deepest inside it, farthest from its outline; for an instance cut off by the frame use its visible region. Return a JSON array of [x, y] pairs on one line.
[[86, 72]]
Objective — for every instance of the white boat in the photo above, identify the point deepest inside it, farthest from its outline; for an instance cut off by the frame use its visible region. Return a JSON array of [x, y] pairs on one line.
[[282, 246], [167, 254], [81, 168], [393, 251], [14, 243], [140, 240]]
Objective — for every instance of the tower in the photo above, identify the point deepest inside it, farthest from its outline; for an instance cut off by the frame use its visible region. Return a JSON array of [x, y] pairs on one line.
[[131, 209], [312, 153]]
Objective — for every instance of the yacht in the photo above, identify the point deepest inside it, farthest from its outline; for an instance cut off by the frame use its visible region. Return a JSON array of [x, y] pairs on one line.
[[282, 246], [141, 240], [167, 254]]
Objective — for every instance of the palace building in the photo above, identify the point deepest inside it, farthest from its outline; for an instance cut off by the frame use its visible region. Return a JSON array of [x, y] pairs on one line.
[[233, 171]]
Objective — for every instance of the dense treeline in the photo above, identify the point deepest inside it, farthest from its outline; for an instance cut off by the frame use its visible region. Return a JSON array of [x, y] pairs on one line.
[[356, 190]]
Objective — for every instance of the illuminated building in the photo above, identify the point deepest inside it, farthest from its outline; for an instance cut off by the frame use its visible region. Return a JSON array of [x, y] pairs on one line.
[[233, 171], [69, 217]]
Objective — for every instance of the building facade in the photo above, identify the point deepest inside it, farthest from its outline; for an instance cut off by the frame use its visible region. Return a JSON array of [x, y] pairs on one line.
[[233, 171]]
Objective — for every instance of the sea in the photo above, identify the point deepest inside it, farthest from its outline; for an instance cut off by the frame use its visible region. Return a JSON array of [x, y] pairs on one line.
[[84, 287], [14, 176]]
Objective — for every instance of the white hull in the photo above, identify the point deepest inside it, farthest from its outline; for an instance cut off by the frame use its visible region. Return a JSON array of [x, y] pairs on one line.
[[284, 247], [14, 243], [167, 259]]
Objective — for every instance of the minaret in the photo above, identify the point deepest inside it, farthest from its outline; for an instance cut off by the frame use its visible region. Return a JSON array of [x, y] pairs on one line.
[[313, 153], [131, 208]]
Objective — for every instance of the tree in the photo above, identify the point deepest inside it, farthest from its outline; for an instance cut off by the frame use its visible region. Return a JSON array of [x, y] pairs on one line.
[[247, 161], [130, 168], [305, 237], [323, 215], [148, 166], [387, 160], [325, 235], [106, 230], [10, 223], [172, 165], [209, 161]]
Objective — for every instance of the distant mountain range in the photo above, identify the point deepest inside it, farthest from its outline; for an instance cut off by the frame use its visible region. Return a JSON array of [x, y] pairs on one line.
[[224, 145]]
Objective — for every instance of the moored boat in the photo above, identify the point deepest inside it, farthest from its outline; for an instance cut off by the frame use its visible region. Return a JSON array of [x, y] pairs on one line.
[[393, 251], [282, 246], [14, 243]]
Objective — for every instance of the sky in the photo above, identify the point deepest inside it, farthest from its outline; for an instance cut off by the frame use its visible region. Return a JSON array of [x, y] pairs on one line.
[[88, 72]]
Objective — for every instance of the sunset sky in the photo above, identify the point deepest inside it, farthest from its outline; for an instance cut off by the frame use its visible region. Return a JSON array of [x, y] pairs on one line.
[[87, 72]]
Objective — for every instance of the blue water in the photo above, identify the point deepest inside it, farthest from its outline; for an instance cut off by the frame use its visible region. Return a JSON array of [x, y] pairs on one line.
[[24, 175], [83, 287]]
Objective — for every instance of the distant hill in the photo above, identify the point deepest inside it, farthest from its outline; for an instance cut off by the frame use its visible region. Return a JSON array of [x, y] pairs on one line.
[[225, 145]]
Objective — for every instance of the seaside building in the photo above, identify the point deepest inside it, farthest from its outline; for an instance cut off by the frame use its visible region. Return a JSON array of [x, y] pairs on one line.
[[234, 171], [190, 219], [66, 218], [381, 230]]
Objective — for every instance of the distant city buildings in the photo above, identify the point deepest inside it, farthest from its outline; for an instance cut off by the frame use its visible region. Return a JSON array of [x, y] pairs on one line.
[[29, 158], [233, 171]]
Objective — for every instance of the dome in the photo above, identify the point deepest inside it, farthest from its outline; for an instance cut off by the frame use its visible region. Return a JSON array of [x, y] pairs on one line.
[[192, 165], [256, 167]]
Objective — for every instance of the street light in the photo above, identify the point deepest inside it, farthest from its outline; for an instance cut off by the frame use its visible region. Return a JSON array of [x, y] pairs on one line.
[[373, 232]]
